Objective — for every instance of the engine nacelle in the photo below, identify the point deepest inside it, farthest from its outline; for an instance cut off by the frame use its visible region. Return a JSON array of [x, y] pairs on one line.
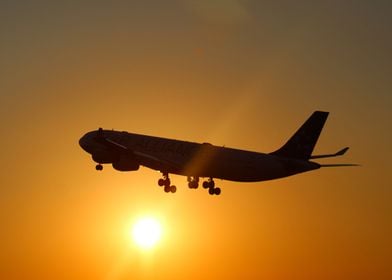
[[126, 164], [103, 157]]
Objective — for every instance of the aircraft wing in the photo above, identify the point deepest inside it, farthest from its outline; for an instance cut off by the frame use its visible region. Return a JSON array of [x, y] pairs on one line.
[[114, 145], [144, 156], [160, 163]]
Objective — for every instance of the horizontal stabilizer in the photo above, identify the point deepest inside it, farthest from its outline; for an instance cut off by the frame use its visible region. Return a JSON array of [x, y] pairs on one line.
[[339, 165], [340, 153]]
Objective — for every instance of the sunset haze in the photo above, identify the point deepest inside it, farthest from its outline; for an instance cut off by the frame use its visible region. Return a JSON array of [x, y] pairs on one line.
[[241, 74]]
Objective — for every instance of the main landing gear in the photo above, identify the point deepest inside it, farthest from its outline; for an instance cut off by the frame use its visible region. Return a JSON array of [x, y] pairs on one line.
[[193, 182], [165, 182], [210, 185]]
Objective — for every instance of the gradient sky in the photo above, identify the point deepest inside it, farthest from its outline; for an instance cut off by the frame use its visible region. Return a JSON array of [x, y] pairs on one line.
[[244, 74]]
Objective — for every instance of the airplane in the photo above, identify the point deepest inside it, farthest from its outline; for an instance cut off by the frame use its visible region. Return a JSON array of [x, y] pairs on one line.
[[128, 151]]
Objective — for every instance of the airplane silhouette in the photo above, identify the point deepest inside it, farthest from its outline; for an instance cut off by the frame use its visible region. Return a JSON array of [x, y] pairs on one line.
[[128, 151]]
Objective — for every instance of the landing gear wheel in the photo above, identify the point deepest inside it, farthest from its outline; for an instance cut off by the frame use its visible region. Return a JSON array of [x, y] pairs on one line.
[[193, 185], [99, 167], [165, 181], [217, 191], [173, 189], [211, 191], [193, 182], [161, 182], [167, 189], [209, 184]]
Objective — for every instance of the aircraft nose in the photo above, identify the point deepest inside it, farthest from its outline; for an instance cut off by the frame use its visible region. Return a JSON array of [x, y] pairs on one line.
[[83, 142]]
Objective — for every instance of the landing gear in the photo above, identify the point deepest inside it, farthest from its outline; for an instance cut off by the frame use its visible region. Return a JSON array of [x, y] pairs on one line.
[[165, 181], [99, 167], [193, 182], [210, 185], [161, 182], [171, 189]]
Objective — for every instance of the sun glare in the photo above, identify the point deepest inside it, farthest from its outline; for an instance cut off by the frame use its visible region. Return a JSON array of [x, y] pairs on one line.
[[146, 232]]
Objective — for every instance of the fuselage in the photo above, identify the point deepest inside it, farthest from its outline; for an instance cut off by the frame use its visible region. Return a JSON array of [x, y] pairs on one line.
[[189, 158]]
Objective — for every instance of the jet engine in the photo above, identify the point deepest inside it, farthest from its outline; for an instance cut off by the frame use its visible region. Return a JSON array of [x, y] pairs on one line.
[[103, 157], [126, 164]]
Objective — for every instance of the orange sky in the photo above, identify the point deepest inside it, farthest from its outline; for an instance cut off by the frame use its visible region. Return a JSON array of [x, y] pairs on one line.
[[244, 74]]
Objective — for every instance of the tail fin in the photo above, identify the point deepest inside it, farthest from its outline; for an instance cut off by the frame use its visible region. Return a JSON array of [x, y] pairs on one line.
[[301, 144]]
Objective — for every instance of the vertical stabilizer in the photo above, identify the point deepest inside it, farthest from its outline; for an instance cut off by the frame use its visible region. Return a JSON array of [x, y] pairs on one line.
[[302, 143]]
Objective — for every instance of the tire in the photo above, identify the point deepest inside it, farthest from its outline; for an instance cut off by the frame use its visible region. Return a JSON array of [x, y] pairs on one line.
[[167, 182]]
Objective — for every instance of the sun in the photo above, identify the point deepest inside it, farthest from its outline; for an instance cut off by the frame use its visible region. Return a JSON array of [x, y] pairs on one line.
[[146, 232]]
